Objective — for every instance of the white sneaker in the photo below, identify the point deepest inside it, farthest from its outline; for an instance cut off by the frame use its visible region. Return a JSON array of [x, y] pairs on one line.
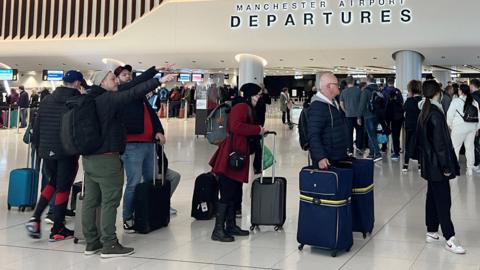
[[173, 211], [432, 237], [454, 246]]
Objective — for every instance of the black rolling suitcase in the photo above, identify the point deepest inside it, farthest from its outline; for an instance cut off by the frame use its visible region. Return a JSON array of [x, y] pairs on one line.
[[269, 196], [205, 197], [152, 201]]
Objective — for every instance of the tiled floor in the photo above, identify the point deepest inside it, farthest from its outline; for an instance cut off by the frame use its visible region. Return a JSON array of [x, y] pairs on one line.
[[397, 241]]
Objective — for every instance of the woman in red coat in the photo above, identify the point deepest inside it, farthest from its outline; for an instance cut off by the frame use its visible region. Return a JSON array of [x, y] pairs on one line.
[[240, 127]]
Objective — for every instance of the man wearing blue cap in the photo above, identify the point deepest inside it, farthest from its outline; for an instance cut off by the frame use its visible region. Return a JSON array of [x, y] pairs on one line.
[[60, 168]]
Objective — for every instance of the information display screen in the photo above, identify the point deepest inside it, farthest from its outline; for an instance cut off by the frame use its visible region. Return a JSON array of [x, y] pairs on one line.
[[184, 77], [6, 74], [52, 75], [197, 77]]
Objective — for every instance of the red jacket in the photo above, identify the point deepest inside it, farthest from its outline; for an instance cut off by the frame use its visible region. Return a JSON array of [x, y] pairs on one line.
[[240, 123]]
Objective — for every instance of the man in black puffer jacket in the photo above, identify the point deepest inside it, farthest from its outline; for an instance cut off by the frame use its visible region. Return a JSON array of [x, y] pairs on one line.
[[104, 169], [59, 167], [327, 129]]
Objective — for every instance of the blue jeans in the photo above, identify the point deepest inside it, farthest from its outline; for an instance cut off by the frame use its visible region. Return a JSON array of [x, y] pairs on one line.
[[371, 125], [139, 162]]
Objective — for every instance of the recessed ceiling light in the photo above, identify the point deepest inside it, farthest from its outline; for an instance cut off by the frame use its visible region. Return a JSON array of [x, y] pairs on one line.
[[222, 61], [40, 64], [375, 58], [343, 58], [465, 65], [89, 63], [166, 62], [311, 59], [443, 57], [140, 62], [194, 61], [281, 60]]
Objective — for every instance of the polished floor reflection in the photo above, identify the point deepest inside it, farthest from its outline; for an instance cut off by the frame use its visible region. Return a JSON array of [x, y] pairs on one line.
[[396, 243]]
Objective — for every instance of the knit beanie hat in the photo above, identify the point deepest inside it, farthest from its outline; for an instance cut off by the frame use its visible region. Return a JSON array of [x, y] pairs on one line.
[[99, 76], [250, 89]]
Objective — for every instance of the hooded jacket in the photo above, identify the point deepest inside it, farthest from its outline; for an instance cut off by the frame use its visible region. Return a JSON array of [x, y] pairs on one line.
[[435, 148], [48, 122], [327, 131], [110, 106]]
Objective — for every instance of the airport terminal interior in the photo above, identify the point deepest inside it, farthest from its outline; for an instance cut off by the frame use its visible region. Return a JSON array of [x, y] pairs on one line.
[[213, 48]]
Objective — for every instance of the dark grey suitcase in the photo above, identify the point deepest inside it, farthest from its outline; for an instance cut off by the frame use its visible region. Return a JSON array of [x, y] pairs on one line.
[[78, 229], [269, 196]]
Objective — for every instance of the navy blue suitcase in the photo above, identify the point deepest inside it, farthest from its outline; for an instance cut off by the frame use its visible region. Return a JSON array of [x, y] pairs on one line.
[[325, 219], [363, 210]]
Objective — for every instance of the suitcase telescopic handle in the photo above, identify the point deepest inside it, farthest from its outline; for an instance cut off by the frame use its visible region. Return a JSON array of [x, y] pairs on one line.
[[155, 163]]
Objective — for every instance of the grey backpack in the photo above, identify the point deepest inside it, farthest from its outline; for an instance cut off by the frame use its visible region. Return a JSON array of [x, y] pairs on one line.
[[217, 122]]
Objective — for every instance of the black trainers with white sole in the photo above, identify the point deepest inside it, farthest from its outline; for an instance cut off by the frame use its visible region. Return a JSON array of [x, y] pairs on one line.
[[93, 249], [116, 250]]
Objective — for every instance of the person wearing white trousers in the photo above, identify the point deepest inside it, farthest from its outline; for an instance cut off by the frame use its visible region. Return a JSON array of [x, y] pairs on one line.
[[463, 133]]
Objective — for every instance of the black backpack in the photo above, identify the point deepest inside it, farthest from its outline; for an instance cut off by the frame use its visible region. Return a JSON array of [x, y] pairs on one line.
[[303, 128], [81, 131], [395, 105], [376, 104], [205, 197]]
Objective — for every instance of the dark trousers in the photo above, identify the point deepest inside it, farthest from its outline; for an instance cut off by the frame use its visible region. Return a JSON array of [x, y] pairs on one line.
[[230, 190], [61, 174], [287, 114], [409, 136], [396, 127], [371, 127], [351, 125], [438, 208]]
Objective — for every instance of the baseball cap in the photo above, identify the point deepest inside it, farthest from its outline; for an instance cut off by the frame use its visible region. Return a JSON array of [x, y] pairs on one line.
[[119, 69], [72, 76]]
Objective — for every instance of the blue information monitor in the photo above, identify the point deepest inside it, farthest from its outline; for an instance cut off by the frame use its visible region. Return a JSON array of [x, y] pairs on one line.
[[6, 74], [184, 77], [55, 75]]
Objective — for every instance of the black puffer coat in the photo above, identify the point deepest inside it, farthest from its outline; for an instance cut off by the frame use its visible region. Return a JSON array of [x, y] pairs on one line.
[[49, 122], [110, 106], [434, 144], [327, 132]]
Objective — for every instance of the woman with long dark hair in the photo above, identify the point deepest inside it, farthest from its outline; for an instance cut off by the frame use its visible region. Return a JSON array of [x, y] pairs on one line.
[[241, 125], [438, 166], [411, 116], [463, 132]]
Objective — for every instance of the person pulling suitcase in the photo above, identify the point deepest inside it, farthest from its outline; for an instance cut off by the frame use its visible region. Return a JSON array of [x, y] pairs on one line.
[[231, 163]]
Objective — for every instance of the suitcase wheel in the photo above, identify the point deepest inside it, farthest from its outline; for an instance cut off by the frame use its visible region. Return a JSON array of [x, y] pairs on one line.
[[9, 206], [364, 235], [334, 253], [300, 247], [348, 249], [22, 208], [75, 240], [252, 227], [277, 228]]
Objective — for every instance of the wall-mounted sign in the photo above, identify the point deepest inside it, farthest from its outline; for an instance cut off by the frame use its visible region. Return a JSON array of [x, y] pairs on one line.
[[320, 12], [52, 75], [8, 74]]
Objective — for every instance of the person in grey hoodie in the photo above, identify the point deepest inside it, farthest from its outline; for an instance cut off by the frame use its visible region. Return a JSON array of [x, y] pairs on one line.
[[370, 118], [327, 127]]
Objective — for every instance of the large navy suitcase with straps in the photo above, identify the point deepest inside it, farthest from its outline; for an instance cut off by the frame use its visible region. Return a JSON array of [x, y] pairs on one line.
[[152, 200], [363, 210], [325, 218], [23, 186], [269, 195]]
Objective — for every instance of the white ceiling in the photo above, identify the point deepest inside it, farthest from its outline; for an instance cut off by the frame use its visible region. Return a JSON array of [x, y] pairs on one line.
[[196, 35]]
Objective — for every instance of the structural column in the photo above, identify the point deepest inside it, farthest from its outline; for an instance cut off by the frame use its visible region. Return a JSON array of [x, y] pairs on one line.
[[442, 76], [408, 67], [250, 69]]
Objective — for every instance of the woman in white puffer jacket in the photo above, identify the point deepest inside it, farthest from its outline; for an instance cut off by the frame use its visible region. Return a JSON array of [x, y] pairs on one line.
[[463, 132]]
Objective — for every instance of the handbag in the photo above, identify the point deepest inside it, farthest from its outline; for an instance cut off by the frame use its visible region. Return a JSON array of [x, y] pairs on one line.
[[236, 160]]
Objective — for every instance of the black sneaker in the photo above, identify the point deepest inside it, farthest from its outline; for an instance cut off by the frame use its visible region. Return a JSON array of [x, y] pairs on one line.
[[70, 213], [60, 234], [33, 228], [128, 226], [405, 168], [238, 213], [116, 250], [93, 249]]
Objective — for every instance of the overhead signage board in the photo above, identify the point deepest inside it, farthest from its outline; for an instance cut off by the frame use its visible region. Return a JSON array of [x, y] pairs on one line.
[[52, 75], [6, 74], [319, 13]]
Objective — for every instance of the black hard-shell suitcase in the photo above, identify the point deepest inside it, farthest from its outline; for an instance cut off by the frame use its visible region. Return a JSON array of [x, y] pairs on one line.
[[269, 195], [152, 202], [205, 197]]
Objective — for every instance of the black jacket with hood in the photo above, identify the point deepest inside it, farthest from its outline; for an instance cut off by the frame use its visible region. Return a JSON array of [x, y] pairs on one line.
[[434, 144], [133, 112], [49, 121], [327, 131], [110, 107]]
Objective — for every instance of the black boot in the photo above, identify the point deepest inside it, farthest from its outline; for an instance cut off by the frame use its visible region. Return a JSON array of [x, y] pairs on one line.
[[232, 227], [219, 233]]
